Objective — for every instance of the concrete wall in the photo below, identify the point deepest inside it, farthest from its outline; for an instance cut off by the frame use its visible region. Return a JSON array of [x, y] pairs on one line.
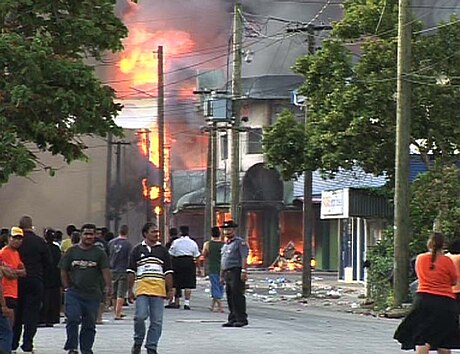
[[76, 194]]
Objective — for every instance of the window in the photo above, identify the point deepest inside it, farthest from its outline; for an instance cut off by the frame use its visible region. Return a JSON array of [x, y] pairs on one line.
[[224, 147], [254, 142]]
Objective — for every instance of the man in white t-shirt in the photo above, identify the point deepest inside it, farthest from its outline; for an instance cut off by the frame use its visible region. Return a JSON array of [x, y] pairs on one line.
[[184, 252]]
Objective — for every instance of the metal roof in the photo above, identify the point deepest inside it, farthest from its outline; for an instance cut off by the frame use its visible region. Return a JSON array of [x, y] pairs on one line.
[[355, 178]]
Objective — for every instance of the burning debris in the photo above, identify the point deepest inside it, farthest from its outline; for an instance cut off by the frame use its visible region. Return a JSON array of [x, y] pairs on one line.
[[289, 259]]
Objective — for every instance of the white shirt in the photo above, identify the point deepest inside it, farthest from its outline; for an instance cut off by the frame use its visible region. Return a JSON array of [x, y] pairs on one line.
[[184, 246]]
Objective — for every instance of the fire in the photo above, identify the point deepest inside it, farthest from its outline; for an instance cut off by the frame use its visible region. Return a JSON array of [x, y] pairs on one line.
[[149, 146], [153, 192], [290, 259], [142, 66], [254, 238], [140, 63]]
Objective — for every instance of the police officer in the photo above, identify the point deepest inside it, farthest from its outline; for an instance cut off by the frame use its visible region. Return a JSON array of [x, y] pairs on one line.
[[234, 275]]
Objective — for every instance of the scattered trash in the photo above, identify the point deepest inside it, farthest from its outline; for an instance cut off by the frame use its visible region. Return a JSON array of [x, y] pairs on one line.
[[333, 294]]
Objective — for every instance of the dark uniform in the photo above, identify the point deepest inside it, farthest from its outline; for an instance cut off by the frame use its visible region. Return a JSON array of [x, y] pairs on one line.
[[233, 253]]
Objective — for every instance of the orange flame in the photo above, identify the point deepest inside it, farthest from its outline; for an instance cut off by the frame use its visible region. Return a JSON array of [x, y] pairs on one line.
[[153, 192], [149, 146], [140, 63]]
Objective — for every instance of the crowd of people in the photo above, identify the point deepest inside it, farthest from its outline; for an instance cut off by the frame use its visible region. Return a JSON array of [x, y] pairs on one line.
[[45, 275]]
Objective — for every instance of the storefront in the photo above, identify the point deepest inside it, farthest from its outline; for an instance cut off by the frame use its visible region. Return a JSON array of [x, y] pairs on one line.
[[358, 218]]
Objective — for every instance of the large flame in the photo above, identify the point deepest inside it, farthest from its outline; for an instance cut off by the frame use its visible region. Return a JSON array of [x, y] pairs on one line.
[[139, 61], [149, 147]]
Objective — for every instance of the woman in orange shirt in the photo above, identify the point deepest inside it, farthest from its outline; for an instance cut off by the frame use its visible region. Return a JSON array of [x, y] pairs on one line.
[[432, 324]]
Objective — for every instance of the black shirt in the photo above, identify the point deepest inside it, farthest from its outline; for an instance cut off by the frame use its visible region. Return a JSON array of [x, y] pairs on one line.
[[35, 255]]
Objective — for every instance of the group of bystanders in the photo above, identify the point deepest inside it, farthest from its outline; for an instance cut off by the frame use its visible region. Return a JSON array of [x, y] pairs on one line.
[[43, 275]]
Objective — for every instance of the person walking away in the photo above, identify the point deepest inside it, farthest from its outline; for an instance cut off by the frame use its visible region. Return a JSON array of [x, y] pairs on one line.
[[432, 323], [184, 251], [83, 269], [67, 243], [212, 253], [119, 251], [6, 317], [173, 235], [174, 303], [13, 268], [36, 258], [234, 275], [149, 282], [103, 245], [50, 311]]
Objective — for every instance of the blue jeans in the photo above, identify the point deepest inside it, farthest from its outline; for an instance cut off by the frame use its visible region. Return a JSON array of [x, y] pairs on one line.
[[82, 310], [6, 335], [152, 307]]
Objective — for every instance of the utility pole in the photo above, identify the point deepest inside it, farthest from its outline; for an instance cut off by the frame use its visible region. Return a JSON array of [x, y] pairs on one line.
[[118, 184], [108, 182], [236, 104], [307, 196], [211, 167], [308, 180], [161, 143], [208, 193], [148, 204], [213, 173], [402, 165], [211, 180]]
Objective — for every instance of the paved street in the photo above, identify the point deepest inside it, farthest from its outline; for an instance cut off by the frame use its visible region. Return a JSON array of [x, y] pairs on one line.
[[274, 328]]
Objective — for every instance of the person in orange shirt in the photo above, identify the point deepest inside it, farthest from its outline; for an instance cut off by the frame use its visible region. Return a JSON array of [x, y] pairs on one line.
[[9, 256], [432, 323]]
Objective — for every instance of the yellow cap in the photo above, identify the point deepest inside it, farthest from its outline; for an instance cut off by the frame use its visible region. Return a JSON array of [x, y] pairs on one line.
[[17, 231]]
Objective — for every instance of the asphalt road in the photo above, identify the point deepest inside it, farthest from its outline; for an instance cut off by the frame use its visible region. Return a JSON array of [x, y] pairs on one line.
[[273, 328]]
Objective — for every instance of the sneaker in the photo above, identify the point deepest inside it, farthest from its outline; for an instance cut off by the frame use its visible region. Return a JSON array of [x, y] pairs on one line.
[[187, 307], [152, 351], [73, 351], [228, 324], [136, 349]]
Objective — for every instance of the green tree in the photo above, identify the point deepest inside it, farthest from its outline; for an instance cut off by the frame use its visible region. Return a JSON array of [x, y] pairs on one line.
[[284, 145], [350, 84], [435, 197], [49, 95]]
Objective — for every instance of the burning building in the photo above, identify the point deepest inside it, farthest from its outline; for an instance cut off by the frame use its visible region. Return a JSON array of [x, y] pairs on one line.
[[195, 35]]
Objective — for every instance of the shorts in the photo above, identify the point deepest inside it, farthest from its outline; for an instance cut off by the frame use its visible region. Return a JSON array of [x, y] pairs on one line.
[[217, 289], [119, 285]]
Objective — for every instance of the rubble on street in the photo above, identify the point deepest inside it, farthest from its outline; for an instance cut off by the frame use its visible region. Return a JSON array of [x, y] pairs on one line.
[[327, 292]]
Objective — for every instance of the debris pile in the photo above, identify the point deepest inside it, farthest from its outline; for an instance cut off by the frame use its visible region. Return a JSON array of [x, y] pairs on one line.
[[289, 259], [324, 293]]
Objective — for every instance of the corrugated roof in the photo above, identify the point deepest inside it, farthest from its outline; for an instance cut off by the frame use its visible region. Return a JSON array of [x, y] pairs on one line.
[[356, 178]]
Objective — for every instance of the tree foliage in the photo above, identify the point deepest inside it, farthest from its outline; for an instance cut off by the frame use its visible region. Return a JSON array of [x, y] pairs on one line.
[[284, 145], [350, 83], [49, 95], [435, 200]]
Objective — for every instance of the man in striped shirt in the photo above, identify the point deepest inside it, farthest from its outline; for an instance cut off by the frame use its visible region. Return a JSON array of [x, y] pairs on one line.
[[149, 282]]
